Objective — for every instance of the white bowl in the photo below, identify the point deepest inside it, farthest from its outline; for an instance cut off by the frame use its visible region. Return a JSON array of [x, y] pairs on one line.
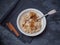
[[43, 21]]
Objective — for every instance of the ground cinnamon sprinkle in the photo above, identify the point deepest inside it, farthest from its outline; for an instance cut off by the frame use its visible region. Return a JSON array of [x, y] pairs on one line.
[[33, 16], [32, 24]]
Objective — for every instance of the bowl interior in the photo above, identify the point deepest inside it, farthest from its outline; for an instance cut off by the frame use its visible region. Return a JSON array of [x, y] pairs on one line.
[[43, 21]]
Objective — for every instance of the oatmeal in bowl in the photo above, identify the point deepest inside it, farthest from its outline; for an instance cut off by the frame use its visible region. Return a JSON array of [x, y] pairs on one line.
[[29, 24]]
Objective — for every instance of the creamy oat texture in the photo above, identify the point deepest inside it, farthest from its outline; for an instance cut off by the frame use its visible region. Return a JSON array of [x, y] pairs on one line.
[[29, 22]]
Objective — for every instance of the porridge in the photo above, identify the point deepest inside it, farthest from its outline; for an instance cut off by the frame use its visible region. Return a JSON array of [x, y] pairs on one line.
[[29, 22]]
